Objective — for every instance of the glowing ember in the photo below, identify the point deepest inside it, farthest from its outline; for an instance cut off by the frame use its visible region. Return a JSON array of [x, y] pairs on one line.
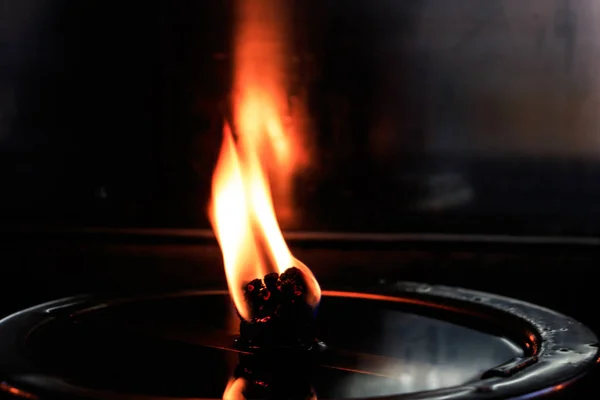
[[242, 211]]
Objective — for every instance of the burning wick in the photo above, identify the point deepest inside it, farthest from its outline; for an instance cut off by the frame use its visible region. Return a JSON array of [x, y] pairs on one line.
[[274, 293], [281, 316], [277, 312]]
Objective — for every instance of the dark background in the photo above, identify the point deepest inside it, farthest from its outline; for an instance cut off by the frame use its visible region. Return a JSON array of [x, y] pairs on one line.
[[471, 118], [462, 116]]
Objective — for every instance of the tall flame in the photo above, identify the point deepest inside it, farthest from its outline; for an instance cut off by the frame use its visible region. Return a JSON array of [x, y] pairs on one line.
[[242, 211]]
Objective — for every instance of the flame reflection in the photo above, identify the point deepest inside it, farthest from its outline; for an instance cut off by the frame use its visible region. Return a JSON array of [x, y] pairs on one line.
[[234, 389], [236, 386]]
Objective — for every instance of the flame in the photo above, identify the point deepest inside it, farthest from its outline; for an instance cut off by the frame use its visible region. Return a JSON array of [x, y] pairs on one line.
[[242, 211]]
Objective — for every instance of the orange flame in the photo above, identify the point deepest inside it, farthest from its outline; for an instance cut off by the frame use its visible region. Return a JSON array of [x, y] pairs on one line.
[[242, 211]]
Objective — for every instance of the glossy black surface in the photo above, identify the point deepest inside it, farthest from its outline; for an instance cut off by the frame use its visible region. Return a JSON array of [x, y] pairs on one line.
[[42, 265], [170, 348], [385, 343]]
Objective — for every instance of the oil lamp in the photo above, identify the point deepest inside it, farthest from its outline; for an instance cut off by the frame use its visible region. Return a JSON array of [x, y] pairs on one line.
[[393, 340]]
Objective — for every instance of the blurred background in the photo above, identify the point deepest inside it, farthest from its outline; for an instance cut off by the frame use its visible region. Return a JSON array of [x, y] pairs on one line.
[[465, 116]]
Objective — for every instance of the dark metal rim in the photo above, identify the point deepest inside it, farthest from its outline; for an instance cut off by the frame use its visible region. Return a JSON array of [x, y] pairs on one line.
[[299, 237], [560, 349]]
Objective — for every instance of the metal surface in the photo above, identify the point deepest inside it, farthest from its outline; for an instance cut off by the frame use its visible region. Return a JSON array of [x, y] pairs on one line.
[[338, 238], [408, 341]]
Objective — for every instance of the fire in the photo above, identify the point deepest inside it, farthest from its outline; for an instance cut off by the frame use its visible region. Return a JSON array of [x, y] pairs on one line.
[[242, 211]]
